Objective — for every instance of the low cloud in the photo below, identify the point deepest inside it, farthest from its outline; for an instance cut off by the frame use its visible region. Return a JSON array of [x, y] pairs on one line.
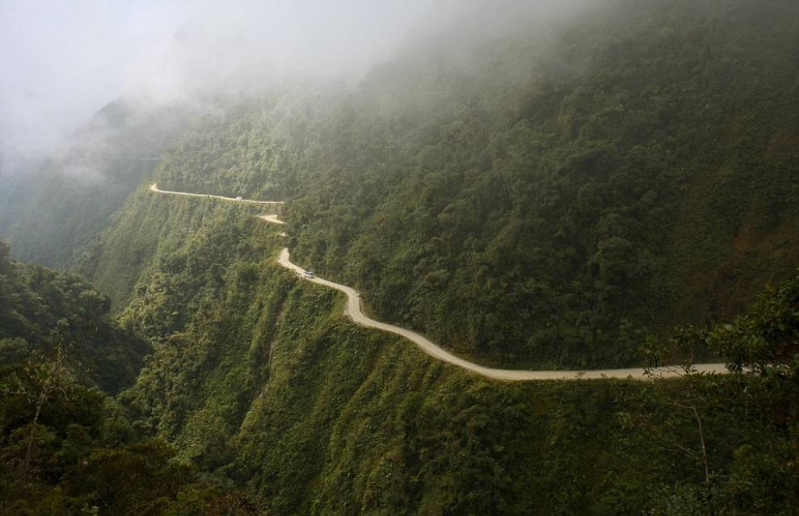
[[62, 61]]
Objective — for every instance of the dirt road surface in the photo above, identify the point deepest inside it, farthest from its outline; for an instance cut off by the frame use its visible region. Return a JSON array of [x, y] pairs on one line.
[[354, 311], [154, 188]]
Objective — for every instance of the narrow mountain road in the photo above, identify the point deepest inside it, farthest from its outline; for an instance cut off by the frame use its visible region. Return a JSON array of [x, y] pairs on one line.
[[154, 188], [354, 311]]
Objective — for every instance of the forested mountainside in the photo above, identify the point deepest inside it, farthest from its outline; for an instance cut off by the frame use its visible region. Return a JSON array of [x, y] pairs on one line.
[[651, 184], [66, 446], [259, 380], [546, 198], [277, 405], [42, 309], [51, 214]]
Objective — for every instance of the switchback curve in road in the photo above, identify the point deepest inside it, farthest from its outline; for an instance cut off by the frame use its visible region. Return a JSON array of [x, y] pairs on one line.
[[353, 310]]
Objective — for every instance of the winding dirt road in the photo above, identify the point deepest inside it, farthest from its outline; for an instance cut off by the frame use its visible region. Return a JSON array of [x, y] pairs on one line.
[[354, 311], [154, 188]]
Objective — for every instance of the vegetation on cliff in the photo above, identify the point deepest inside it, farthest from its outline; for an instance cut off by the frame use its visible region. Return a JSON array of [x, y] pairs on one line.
[[41, 308], [549, 197], [543, 199], [66, 446], [270, 388], [49, 214]]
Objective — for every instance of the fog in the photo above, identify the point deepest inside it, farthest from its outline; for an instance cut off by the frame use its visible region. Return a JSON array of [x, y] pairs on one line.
[[62, 61]]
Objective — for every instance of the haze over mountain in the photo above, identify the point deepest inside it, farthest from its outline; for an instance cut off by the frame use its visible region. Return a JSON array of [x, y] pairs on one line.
[[63, 62], [545, 187]]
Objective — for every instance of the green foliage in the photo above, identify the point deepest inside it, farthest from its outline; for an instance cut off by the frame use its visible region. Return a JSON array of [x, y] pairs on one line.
[[60, 458], [638, 190], [764, 341], [567, 193], [763, 477], [262, 384], [35, 301], [639, 174], [766, 337], [53, 212]]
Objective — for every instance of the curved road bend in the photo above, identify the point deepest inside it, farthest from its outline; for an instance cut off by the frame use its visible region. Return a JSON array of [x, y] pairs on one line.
[[354, 311]]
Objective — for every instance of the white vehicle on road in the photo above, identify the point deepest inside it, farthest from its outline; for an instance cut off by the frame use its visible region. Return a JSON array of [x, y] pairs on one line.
[[309, 274], [239, 198]]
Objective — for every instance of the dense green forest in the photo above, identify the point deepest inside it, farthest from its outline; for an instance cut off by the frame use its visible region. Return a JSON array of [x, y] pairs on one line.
[[37, 303], [258, 379], [542, 199], [50, 214], [66, 445], [276, 405], [562, 194], [645, 176]]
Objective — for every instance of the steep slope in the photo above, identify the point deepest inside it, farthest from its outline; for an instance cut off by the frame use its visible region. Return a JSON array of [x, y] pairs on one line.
[[354, 311], [258, 378], [540, 200], [549, 216], [42, 309], [142, 243], [53, 212], [650, 185], [66, 446]]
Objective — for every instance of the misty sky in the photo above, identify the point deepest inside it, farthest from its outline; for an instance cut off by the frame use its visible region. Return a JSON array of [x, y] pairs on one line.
[[63, 60]]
